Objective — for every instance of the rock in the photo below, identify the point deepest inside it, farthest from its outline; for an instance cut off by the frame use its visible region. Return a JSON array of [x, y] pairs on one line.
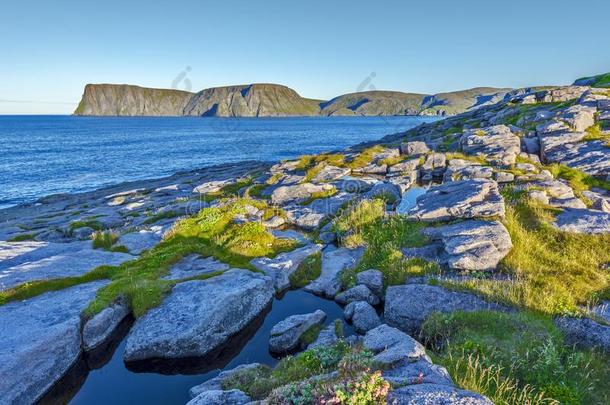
[[530, 145], [286, 335], [357, 293], [328, 336], [199, 316], [215, 384], [592, 157], [210, 187], [330, 173], [602, 310], [433, 167], [473, 245], [220, 397], [414, 148], [137, 242], [504, 177], [538, 195], [388, 190], [408, 372], [390, 345], [459, 200], [585, 332], [373, 279], [298, 192], [578, 117], [373, 168], [417, 394], [195, 265], [41, 341], [362, 315], [53, 260], [99, 329], [356, 185], [83, 233], [283, 265], [408, 166], [497, 144], [583, 221], [334, 261], [560, 94], [459, 169], [408, 306]]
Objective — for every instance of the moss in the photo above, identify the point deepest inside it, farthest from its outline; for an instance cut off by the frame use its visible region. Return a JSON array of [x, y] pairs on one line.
[[515, 358], [161, 215], [308, 270], [310, 335], [22, 237], [87, 223]]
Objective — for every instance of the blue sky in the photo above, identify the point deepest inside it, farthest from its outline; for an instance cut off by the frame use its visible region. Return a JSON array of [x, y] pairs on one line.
[[51, 49]]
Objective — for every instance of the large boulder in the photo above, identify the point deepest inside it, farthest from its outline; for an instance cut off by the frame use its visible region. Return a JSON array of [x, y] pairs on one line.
[[497, 144], [472, 245], [373, 279], [334, 262], [298, 192], [585, 332], [408, 306], [199, 316], [100, 327], [591, 157], [414, 148], [286, 335], [459, 200], [391, 345], [362, 315], [583, 221], [41, 341], [357, 293], [283, 265], [437, 394], [434, 167]]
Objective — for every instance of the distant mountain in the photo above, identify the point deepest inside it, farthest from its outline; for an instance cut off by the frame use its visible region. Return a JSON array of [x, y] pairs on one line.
[[273, 100], [602, 80]]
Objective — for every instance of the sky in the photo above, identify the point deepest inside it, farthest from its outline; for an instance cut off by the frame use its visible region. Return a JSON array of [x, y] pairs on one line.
[[51, 49]]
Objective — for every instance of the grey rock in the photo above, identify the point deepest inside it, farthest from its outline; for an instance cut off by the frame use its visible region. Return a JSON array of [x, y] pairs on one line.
[[334, 262], [530, 145], [583, 221], [215, 383], [538, 195], [414, 148], [591, 157], [298, 192], [473, 245], [459, 200], [408, 306], [330, 173], [373, 279], [391, 345], [435, 394], [199, 316], [212, 186], [504, 177], [498, 144], [362, 315], [328, 336], [283, 265], [433, 167], [137, 242], [585, 332], [83, 233], [195, 265], [459, 169], [99, 329], [408, 372], [41, 340], [578, 117], [408, 166], [357, 293], [602, 310], [220, 397], [286, 335], [385, 189]]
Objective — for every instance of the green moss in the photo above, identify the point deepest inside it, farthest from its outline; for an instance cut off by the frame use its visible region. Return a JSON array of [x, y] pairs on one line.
[[515, 358], [87, 223], [310, 335], [161, 215], [308, 270], [22, 237]]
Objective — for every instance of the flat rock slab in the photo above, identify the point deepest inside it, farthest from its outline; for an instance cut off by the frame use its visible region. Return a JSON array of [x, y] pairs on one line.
[[583, 221], [221, 397], [41, 340], [54, 261], [137, 242], [281, 267], [463, 199], [497, 144], [391, 345], [195, 265], [408, 306], [334, 262], [417, 372], [437, 394], [99, 329], [592, 157], [362, 315], [198, 316], [286, 335], [472, 245]]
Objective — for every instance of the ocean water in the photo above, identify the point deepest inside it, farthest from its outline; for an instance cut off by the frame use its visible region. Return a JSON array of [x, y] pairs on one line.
[[42, 155]]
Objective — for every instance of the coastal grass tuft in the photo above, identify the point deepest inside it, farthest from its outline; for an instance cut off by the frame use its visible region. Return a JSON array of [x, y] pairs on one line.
[[515, 358], [550, 271], [365, 224], [307, 271], [104, 239], [161, 215], [87, 223], [22, 237]]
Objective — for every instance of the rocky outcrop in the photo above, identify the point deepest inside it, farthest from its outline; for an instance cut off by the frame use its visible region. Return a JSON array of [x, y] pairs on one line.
[[497, 144], [281, 267], [99, 329], [584, 332], [583, 221], [408, 306], [435, 394], [357, 293], [286, 335], [362, 315], [334, 262], [199, 316], [391, 345]]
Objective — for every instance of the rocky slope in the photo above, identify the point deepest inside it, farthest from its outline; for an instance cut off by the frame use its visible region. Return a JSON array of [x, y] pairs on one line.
[[272, 100], [483, 236]]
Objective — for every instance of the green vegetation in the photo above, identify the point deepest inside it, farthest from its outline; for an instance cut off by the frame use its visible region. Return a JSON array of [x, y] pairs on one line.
[[22, 237], [308, 270], [550, 271], [516, 358], [602, 80], [318, 195], [87, 223], [365, 224], [310, 335], [106, 240], [161, 215], [471, 158], [578, 180], [365, 157], [595, 133]]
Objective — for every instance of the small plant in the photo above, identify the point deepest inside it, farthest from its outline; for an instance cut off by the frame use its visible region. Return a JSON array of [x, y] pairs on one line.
[[308, 270], [104, 239]]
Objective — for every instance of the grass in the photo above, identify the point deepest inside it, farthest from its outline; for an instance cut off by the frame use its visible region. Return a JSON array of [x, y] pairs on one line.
[[471, 158], [211, 232], [87, 223], [578, 180], [602, 80], [22, 237], [551, 271], [316, 195], [365, 157], [365, 224], [516, 358], [595, 133], [161, 215], [308, 270]]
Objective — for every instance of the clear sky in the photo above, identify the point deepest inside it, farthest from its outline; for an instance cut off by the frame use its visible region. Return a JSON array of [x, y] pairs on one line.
[[51, 49]]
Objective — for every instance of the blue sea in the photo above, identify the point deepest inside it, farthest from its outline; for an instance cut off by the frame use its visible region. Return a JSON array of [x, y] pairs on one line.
[[42, 155]]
